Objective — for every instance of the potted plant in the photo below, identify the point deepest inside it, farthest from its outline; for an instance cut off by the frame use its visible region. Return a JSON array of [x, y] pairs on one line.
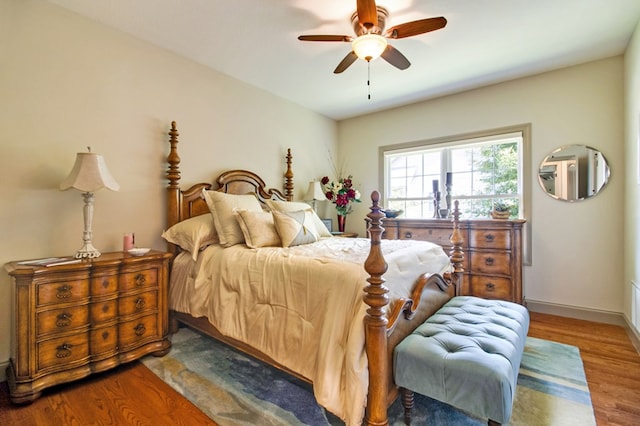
[[501, 211]]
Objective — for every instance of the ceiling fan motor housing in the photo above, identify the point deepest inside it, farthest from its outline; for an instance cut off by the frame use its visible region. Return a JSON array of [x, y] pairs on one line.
[[359, 29]]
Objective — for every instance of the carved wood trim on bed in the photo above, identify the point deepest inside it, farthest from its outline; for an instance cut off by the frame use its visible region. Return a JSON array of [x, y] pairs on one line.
[[382, 332], [184, 204], [379, 328]]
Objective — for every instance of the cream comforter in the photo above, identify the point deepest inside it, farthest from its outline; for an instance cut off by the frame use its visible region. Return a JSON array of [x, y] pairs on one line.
[[301, 305]]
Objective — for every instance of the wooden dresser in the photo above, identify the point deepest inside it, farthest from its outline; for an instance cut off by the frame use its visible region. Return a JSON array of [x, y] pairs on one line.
[[492, 252], [73, 320]]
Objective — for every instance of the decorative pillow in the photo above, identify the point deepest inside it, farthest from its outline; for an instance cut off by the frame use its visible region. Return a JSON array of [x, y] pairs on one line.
[[222, 206], [193, 234], [293, 206], [295, 228], [258, 228]]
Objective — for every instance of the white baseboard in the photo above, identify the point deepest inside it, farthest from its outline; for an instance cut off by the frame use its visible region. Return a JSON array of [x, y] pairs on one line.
[[606, 317]]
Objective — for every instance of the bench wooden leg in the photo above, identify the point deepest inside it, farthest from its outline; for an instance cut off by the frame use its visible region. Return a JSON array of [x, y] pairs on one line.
[[407, 403], [492, 423]]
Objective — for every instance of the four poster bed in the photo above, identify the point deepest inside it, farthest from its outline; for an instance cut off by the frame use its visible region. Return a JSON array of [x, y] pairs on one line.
[[319, 310]]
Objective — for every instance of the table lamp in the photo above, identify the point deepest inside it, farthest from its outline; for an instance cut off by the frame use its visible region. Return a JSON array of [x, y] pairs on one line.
[[314, 193], [88, 175]]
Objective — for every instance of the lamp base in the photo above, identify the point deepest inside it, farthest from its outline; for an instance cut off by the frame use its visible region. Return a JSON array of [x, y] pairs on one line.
[[88, 251]]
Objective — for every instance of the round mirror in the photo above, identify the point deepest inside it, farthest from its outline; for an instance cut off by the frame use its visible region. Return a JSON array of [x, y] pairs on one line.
[[573, 172]]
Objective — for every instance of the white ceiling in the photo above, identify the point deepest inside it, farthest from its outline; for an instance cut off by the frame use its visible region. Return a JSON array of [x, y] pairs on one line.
[[484, 42]]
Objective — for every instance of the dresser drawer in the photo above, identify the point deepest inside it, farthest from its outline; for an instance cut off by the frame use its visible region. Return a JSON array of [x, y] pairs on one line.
[[103, 340], [104, 285], [434, 235], [138, 303], [491, 263], [137, 331], [62, 351], [73, 320], [62, 320], [104, 311], [491, 287], [62, 292], [490, 239], [139, 279]]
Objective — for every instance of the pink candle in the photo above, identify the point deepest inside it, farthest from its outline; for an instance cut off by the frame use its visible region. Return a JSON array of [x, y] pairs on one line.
[[127, 242]]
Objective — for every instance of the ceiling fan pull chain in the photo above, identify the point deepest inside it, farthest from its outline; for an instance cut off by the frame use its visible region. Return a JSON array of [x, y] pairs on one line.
[[369, 80]]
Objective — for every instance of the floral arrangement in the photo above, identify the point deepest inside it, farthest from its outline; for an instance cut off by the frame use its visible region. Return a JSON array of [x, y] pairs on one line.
[[341, 193]]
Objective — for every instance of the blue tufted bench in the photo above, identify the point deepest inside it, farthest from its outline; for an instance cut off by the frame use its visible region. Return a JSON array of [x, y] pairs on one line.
[[466, 355]]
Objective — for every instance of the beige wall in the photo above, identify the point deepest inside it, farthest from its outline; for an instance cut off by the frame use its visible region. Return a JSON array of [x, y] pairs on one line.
[[632, 194], [577, 250], [66, 82]]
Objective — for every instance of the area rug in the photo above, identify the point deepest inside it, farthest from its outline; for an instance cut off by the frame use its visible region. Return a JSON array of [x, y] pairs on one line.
[[233, 389]]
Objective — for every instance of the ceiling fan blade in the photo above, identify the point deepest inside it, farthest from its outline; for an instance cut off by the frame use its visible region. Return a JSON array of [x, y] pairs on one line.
[[346, 61], [325, 38], [413, 28], [367, 13], [395, 58]]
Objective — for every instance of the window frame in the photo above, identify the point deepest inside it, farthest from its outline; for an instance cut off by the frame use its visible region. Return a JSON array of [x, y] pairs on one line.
[[523, 129]]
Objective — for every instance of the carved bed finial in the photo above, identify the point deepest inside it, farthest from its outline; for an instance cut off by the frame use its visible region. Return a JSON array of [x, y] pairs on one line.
[[173, 174], [288, 178], [375, 321], [456, 254]]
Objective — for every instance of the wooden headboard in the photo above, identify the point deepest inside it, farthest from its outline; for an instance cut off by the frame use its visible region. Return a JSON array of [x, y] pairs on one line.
[[184, 204]]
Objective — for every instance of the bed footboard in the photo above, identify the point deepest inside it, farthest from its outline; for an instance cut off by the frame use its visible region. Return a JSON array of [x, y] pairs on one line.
[[380, 335]]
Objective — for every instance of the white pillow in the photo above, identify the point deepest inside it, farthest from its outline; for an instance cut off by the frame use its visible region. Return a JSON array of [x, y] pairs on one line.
[[295, 228], [193, 234], [258, 228], [292, 206], [222, 206]]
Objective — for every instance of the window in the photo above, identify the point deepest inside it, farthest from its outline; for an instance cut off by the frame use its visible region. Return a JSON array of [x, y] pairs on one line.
[[484, 169]]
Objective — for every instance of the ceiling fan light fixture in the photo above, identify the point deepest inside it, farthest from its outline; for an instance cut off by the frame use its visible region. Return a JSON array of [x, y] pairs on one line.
[[369, 46]]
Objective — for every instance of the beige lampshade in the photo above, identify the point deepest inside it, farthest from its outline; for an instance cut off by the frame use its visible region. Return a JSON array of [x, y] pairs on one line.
[[89, 174], [315, 192]]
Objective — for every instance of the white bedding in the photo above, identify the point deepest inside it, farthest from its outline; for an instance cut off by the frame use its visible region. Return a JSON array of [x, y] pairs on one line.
[[301, 305]]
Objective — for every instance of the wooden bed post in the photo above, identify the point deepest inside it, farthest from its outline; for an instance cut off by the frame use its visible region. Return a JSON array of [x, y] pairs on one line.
[[456, 253], [173, 190], [288, 178], [375, 321]]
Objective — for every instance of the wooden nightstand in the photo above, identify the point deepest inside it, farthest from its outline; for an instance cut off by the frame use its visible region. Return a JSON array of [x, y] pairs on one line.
[[345, 234], [73, 320]]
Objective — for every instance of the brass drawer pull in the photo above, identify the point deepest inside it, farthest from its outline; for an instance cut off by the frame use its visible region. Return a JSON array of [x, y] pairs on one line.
[[408, 235], [64, 350], [140, 304], [489, 238], [64, 292], [140, 280], [489, 261], [491, 286], [140, 329], [64, 320]]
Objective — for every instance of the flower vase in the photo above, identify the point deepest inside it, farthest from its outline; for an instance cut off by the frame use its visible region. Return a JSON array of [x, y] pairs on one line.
[[341, 222]]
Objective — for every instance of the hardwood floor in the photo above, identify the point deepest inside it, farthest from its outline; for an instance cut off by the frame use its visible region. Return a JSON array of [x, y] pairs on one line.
[[611, 364], [132, 395], [128, 395]]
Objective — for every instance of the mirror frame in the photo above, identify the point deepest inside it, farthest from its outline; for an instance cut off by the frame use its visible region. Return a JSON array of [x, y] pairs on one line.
[[555, 164]]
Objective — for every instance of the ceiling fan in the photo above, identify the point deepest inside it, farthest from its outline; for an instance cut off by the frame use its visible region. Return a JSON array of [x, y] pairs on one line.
[[370, 42]]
